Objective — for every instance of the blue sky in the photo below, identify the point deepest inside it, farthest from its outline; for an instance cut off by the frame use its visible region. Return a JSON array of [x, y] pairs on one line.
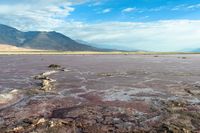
[[136, 10], [154, 25]]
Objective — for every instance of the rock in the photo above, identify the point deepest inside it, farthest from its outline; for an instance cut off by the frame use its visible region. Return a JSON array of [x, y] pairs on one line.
[[54, 66], [46, 85], [44, 75], [46, 82], [40, 77], [173, 103], [189, 91], [194, 91], [108, 120], [99, 119], [105, 74], [182, 57], [15, 91], [26, 122], [18, 129], [64, 70], [58, 67], [117, 121], [49, 73], [171, 128], [41, 121]]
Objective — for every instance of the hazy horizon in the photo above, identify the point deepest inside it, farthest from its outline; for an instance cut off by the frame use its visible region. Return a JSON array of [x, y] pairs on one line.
[[160, 25]]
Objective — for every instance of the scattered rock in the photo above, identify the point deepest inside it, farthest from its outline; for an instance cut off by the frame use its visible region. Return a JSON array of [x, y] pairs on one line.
[[48, 73], [27, 121], [171, 128], [188, 91], [182, 57], [64, 70], [105, 74], [46, 82], [54, 66], [174, 103], [40, 77], [44, 75], [18, 129], [41, 121], [46, 85]]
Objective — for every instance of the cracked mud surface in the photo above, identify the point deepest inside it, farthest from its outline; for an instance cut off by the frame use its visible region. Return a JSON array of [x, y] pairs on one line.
[[100, 93]]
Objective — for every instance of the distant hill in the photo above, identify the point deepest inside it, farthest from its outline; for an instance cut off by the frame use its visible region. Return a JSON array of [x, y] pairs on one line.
[[41, 40], [191, 50], [196, 50]]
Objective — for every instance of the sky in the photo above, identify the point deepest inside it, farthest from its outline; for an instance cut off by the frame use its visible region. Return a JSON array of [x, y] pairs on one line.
[[151, 25]]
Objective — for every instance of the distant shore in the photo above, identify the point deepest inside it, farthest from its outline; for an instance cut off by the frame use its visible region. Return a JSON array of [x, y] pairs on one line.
[[89, 53]]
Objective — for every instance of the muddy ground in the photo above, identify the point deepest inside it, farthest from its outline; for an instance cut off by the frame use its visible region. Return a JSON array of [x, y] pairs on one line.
[[99, 93]]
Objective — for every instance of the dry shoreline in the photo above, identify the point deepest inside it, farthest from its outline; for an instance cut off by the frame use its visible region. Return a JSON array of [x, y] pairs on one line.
[[41, 52]]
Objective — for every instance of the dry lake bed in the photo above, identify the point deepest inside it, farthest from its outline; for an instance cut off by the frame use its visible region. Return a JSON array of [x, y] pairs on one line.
[[100, 93]]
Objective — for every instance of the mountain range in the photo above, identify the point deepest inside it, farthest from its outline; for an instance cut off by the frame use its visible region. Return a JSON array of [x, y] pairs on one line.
[[41, 40]]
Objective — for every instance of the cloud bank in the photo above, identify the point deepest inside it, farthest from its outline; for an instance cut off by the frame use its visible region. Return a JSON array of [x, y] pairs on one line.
[[171, 35]]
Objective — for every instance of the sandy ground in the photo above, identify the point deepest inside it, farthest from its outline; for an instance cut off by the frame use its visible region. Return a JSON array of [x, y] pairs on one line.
[[6, 48], [100, 93]]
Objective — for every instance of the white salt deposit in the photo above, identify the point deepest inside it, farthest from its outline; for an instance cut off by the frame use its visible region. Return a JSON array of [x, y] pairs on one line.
[[6, 97], [128, 94]]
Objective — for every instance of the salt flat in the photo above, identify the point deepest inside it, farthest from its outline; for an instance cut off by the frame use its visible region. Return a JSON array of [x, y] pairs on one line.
[[100, 93]]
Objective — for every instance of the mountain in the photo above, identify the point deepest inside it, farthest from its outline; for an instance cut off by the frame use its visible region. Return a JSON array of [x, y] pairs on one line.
[[41, 40], [10, 35], [105, 48], [196, 50]]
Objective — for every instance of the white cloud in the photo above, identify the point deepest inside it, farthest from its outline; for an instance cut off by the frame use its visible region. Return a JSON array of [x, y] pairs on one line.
[[41, 3], [194, 6], [107, 10], [48, 15], [128, 9], [96, 3], [170, 35], [157, 9], [185, 7], [178, 7], [32, 13]]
